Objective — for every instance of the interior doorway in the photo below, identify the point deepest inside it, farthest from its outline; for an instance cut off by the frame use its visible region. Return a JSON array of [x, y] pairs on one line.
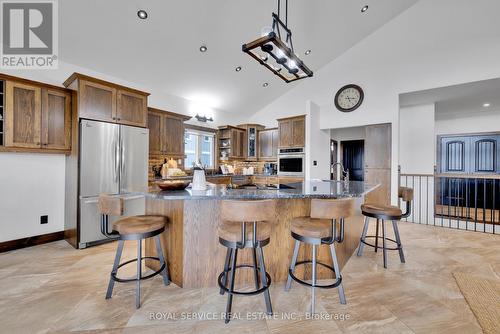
[[353, 152]]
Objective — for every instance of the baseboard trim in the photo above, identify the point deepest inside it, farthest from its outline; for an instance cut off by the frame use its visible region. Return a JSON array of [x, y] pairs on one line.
[[30, 241]]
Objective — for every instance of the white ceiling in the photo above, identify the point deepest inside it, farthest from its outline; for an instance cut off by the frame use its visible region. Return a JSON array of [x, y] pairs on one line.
[[462, 99], [162, 52]]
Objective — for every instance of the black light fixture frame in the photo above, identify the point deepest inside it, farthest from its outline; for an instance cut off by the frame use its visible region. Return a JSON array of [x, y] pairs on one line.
[[203, 119], [274, 41]]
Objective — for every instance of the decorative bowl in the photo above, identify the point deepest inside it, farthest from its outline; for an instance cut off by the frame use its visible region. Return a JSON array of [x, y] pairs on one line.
[[179, 184]]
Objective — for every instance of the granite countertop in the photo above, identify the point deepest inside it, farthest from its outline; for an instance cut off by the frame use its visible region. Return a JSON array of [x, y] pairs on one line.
[[306, 189]]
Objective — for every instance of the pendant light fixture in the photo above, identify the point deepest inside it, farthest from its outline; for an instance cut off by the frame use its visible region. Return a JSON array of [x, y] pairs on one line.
[[277, 54]]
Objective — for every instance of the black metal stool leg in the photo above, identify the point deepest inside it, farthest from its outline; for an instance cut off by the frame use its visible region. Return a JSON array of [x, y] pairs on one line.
[[118, 255], [159, 250], [398, 241], [263, 278], [226, 269], [292, 265], [363, 236], [313, 280], [376, 236], [255, 271], [384, 248], [337, 273], [231, 288], [139, 274]]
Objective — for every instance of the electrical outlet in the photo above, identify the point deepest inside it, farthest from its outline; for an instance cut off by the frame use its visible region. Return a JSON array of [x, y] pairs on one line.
[[44, 219], [315, 163]]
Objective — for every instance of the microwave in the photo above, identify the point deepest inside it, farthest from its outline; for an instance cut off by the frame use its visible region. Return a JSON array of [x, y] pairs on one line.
[[291, 162]]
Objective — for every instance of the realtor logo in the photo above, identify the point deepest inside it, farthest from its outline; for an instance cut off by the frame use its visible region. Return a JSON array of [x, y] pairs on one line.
[[29, 34]]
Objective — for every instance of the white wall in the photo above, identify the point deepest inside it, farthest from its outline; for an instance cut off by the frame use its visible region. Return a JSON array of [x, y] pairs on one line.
[[320, 151], [31, 185], [417, 50], [468, 122], [417, 139]]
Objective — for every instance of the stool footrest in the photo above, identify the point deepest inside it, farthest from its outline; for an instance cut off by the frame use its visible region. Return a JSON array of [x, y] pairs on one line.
[[337, 282], [245, 293], [380, 247], [126, 280]]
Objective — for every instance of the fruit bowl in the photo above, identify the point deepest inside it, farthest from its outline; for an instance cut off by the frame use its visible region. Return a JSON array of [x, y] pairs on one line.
[[179, 184]]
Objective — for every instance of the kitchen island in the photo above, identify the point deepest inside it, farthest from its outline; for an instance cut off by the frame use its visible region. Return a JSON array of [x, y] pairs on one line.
[[191, 245]]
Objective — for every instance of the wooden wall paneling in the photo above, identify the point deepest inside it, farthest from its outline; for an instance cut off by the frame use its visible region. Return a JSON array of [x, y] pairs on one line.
[[378, 146], [22, 115], [382, 176]]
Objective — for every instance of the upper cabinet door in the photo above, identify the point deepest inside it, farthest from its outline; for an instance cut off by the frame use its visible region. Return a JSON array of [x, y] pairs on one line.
[[285, 133], [378, 146], [265, 144], [56, 119], [275, 141], [155, 133], [298, 132], [23, 115], [173, 138], [97, 101], [132, 108]]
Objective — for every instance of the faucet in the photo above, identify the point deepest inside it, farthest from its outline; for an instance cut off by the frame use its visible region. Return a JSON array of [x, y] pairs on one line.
[[345, 173]]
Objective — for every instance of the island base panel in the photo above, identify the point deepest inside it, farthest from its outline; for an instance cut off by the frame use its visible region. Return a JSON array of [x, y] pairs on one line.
[[196, 258]]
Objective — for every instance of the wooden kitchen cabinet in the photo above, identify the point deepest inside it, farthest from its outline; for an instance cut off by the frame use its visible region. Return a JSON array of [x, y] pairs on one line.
[[251, 141], [56, 119], [23, 115], [37, 117], [268, 144], [166, 133], [131, 108], [97, 101], [105, 101], [233, 138], [292, 132]]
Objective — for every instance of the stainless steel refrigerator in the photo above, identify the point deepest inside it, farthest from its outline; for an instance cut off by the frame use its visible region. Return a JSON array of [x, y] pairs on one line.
[[113, 160]]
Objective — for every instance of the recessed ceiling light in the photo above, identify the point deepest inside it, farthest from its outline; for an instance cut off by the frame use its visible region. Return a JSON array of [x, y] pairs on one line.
[[203, 48], [237, 69], [307, 53], [486, 105], [265, 84], [364, 9], [142, 14]]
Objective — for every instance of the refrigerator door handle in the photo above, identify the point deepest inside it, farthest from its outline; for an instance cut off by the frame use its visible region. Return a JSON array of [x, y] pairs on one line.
[[122, 159], [115, 160]]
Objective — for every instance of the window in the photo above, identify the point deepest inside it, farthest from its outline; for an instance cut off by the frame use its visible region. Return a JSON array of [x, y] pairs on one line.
[[199, 147]]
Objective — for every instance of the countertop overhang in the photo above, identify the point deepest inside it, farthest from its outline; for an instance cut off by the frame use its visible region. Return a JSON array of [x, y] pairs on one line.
[[306, 189]]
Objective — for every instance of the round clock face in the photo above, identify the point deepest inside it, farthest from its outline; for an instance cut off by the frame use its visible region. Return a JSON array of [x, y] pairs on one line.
[[349, 98]]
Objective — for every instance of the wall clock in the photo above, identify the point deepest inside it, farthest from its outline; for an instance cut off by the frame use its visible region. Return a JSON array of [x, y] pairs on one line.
[[349, 98]]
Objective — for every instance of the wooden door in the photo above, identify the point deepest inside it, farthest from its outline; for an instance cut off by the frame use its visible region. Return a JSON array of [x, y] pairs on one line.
[[56, 119], [299, 132], [285, 133], [378, 146], [173, 136], [132, 108], [97, 101], [155, 133], [382, 176], [23, 115], [377, 156], [234, 144]]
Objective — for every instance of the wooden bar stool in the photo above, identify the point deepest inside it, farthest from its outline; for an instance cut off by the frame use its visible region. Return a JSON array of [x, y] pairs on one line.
[[383, 213], [132, 228], [318, 229], [245, 224]]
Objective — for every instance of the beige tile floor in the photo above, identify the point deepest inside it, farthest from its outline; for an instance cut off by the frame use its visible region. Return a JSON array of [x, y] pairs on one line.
[[54, 288]]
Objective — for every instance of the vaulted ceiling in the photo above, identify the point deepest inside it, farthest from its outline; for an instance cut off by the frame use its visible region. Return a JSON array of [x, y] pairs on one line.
[[162, 52]]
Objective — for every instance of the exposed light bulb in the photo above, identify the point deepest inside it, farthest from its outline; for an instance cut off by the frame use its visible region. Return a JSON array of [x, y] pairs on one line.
[[486, 105], [265, 31]]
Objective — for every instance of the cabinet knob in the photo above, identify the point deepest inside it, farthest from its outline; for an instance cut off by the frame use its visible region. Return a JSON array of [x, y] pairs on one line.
[[119, 119], [114, 118]]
